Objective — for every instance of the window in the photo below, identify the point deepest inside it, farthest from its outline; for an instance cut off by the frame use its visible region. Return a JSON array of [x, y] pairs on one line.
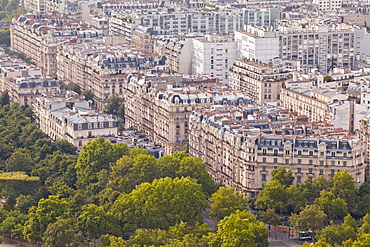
[[299, 152], [309, 170], [110, 124], [89, 126], [310, 162], [344, 155], [299, 170], [286, 162], [321, 172], [310, 153], [264, 160], [332, 154], [344, 163], [287, 152], [96, 125], [275, 160], [321, 163], [263, 168], [263, 177], [332, 172], [101, 125], [80, 126], [264, 151], [332, 163], [321, 153], [299, 179], [299, 161], [275, 152]]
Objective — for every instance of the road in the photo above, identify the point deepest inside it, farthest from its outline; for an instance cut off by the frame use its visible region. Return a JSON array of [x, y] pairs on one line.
[[280, 238]]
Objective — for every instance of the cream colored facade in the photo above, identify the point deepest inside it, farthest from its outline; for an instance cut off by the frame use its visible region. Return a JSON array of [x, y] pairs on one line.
[[262, 82], [163, 114], [243, 158], [66, 116]]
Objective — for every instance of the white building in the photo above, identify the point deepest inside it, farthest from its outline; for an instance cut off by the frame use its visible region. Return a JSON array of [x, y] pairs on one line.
[[328, 5], [214, 55]]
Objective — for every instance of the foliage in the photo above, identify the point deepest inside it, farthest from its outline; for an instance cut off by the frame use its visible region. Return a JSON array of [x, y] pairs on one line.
[[240, 229], [338, 234], [113, 104], [270, 217], [331, 205], [311, 218], [274, 195], [93, 221], [161, 204], [60, 233], [225, 201], [88, 94], [283, 176], [344, 187]]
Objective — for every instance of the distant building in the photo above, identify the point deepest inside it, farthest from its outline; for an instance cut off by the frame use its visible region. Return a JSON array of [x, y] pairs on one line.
[[65, 116]]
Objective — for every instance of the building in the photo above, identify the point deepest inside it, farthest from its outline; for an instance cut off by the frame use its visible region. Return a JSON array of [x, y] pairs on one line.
[[66, 116], [314, 45], [213, 55], [241, 152], [160, 106], [262, 82], [328, 5]]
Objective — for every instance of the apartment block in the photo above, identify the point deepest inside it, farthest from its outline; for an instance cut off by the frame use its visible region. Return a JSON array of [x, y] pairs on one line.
[[161, 105], [314, 45], [66, 116], [241, 152], [262, 82], [328, 5], [213, 55]]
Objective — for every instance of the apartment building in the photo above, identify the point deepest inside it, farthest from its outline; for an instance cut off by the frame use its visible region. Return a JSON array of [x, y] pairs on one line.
[[161, 105], [262, 82], [213, 55], [328, 5], [241, 152], [24, 82], [35, 6], [66, 116], [313, 45], [103, 68], [262, 16]]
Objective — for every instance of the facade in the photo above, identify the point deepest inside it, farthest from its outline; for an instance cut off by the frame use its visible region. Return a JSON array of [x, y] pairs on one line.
[[242, 153], [214, 55], [328, 5], [261, 17], [161, 105], [65, 116], [313, 45], [262, 82]]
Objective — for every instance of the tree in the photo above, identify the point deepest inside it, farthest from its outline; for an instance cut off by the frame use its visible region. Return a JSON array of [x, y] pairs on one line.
[[363, 241], [365, 225], [274, 195], [225, 201], [314, 187], [160, 204], [4, 98], [331, 205], [113, 104], [13, 224], [47, 211], [338, 234], [283, 176], [20, 161], [60, 233], [93, 221], [310, 219], [96, 156], [344, 187], [270, 217], [88, 94], [240, 229], [297, 197], [64, 147]]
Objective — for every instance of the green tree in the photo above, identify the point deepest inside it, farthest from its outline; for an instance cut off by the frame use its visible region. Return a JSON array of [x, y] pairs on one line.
[[338, 234], [283, 176], [13, 224], [331, 205], [60, 233], [314, 187], [344, 187], [4, 36], [274, 195], [20, 161], [113, 104], [297, 197], [225, 201], [270, 217], [311, 218], [160, 204], [64, 147], [363, 241], [93, 221], [96, 156], [365, 225], [121, 111], [46, 212], [88, 94], [240, 229]]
